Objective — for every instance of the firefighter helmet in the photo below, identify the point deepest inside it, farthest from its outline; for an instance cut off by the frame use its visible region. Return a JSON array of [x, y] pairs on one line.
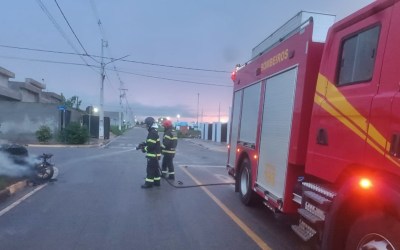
[[167, 124], [149, 121]]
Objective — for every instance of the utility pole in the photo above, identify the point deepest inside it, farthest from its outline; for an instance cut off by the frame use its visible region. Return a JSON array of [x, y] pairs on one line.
[[121, 95], [102, 76], [197, 120], [104, 44]]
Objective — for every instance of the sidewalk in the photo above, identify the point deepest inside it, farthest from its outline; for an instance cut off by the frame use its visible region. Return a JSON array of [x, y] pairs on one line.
[[93, 142], [212, 145]]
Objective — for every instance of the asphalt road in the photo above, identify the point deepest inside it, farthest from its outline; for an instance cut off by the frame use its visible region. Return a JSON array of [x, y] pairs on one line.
[[97, 203]]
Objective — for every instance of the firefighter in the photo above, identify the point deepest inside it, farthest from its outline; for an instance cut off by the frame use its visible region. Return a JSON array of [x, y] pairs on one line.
[[169, 143], [153, 153]]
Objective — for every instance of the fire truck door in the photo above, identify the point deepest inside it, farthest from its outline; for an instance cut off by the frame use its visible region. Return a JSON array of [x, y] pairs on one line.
[[344, 114], [275, 132]]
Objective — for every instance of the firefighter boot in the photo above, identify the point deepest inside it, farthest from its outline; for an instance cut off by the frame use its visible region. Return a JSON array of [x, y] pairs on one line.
[[157, 181], [147, 185], [171, 177]]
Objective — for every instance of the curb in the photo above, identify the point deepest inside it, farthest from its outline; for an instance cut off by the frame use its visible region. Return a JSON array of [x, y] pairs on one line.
[[95, 145], [12, 189]]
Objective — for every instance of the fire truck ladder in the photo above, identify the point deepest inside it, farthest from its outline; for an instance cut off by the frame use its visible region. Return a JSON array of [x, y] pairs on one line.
[[315, 203]]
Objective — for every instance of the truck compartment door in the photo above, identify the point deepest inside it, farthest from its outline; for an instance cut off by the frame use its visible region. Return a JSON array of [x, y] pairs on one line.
[[275, 131]]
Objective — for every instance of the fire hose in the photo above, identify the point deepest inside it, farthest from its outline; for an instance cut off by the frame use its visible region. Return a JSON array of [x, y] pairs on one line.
[[180, 183], [197, 185]]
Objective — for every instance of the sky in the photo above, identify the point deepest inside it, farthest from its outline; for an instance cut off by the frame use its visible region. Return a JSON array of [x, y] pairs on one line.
[[170, 57]]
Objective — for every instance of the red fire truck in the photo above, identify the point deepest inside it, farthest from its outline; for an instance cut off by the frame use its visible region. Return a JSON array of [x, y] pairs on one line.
[[315, 131]]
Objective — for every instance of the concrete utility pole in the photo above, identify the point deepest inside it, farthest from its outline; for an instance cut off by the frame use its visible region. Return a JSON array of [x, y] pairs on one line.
[[121, 95], [104, 44], [102, 76], [197, 121]]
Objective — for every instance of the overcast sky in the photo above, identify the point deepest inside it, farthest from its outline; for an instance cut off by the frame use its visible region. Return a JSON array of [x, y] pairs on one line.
[[179, 53]]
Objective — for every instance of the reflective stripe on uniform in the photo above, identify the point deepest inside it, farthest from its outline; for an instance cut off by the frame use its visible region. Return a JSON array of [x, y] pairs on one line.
[[149, 180], [157, 178], [151, 155], [168, 151], [151, 140]]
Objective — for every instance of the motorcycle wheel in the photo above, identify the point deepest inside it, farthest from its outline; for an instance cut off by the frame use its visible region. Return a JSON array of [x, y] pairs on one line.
[[45, 172]]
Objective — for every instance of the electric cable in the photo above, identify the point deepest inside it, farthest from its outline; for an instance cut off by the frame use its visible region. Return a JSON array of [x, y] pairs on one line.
[[109, 58], [126, 72], [70, 27], [60, 30]]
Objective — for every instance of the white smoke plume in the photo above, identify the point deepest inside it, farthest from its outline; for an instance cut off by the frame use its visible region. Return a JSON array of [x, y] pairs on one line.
[[20, 168]]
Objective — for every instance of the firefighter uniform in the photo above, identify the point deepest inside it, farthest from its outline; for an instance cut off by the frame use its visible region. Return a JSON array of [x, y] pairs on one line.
[[153, 154], [169, 143]]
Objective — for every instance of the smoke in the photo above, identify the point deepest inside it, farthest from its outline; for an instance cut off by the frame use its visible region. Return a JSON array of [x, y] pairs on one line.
[[16, 167]]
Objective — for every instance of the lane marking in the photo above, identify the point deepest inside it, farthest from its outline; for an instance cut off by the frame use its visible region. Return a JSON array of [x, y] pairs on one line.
[[236, 219], [201, 166], [16, 203]]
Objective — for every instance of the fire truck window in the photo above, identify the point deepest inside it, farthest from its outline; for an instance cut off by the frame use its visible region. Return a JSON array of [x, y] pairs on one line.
[[395, 146], [358, 57]]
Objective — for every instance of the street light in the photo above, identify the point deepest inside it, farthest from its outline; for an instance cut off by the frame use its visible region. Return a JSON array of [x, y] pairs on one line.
[[90, 110], [177, 117]]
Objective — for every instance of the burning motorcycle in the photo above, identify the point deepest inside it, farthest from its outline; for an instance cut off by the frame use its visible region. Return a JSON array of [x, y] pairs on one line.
[[36, 169]]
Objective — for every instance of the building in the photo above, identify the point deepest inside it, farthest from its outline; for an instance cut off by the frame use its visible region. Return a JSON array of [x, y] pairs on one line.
[[28, 91], [25, 106]]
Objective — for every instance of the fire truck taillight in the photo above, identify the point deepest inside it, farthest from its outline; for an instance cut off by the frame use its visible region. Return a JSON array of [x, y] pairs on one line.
[[365, 183], [238, 150], [233, 75], [255, 157]]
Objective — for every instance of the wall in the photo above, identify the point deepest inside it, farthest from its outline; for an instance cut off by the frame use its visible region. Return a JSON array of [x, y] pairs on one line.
[[19, 121], [216, 131]]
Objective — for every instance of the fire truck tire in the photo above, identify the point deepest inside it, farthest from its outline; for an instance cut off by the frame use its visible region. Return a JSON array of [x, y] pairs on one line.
[[374, 231], [247, 195]]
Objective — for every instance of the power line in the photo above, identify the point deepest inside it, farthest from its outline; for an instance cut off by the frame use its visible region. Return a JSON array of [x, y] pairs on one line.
[[124, 60], [70, 27], [96, 14], [103, 34], [177, 67], [175, 80], [60, 30], [120, 71]]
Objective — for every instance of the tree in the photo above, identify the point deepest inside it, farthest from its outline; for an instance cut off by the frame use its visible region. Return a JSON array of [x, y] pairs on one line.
[[72, 103]]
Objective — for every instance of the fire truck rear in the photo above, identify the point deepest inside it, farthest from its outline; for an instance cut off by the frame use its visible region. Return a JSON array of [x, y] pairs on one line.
[[315, 129]]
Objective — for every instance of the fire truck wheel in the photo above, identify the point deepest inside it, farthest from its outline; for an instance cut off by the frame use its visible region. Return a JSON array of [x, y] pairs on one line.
[[246, 193], [374, 231]]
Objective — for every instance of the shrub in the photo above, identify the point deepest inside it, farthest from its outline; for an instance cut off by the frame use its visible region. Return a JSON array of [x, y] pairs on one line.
[[189, 134], [43, 134], [115, 130], [74, 133]]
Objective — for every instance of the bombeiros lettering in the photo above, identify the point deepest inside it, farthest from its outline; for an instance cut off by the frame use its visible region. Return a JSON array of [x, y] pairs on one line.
[[278, 58]]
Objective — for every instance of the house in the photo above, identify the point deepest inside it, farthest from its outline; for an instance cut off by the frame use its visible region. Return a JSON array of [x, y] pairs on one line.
[[25, 106]]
